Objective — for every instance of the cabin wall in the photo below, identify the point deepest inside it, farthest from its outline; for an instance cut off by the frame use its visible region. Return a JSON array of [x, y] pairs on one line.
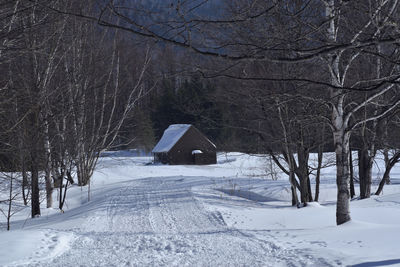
[[181, 153]]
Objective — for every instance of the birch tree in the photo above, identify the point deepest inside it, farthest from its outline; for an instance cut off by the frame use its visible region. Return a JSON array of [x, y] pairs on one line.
[[339, 64]]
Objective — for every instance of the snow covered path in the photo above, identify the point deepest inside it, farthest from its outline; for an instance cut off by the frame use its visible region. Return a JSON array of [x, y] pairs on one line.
[[228, 214], [160, 221]]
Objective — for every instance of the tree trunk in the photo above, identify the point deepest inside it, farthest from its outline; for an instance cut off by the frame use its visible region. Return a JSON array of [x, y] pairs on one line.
[[384, 179], [34, 165], [60, 186], [365, 172], [341, 141], [302, 174], [310, 198], [386, 175], [48, 167], [35, 203], [318, 176], [10, 199], [352, 191], [387, 160], [295, 199]]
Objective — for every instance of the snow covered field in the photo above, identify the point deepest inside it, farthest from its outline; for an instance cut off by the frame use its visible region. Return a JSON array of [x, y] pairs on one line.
[[229, 214]]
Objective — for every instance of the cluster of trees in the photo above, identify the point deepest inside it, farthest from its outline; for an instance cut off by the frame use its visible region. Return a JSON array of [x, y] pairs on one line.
[[66, 88], [285, 78]]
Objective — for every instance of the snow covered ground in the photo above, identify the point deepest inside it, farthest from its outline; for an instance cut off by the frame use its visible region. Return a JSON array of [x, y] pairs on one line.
[[229, 214]]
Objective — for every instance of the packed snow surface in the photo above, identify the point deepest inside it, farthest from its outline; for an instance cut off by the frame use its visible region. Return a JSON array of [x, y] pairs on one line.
[[171, 135], [228, 214]]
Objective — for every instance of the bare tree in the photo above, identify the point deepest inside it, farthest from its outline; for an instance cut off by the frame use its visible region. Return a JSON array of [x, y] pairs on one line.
[[7, 206]]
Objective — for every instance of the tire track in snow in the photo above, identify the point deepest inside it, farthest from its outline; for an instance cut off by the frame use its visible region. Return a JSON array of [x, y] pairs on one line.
[[128, 210], [175, 210]]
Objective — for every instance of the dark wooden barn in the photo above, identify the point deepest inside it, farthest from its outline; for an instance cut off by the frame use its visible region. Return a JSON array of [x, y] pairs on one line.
[[184, 144]]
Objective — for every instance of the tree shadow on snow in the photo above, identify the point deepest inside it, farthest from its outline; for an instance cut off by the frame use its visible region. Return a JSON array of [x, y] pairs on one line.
[[247, 195], [377, 263]]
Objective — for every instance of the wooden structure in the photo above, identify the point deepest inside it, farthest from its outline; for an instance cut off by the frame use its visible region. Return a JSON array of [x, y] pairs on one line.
[[184, 144]]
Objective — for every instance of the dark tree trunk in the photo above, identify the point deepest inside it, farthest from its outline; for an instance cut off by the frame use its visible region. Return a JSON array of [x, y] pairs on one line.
[[34, 165], [387, 163], [365, 173], [63, 190], [69, 178], [61, 186], [386, 175], [35, 203], [352, 191], [310, 198], [295, 199], [10, 198], [293, 182], [302, 174], [318, 176]]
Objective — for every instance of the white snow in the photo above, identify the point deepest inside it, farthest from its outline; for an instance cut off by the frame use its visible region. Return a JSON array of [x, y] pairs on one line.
[[197, 152], [229, 214], [171, 135], [33, 246]]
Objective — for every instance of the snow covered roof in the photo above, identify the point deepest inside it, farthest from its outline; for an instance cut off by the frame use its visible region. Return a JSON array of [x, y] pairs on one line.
[[171, 135]]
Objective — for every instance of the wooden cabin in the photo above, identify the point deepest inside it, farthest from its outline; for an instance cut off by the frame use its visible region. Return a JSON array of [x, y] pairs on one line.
[[184, 144]]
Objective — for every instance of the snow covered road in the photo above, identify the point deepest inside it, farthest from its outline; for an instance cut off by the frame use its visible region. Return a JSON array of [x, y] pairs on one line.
[[227, 214], [161, 222]]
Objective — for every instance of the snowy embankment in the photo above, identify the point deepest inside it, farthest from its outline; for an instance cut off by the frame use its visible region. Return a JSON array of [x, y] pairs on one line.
[[229, 214]]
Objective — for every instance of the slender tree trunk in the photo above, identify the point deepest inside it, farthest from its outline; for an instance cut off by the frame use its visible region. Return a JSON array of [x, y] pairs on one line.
[[386, 175], [48, 167], [10, 198], [387, 159], [35, 203], [294, 196], [318, 176], [292, 179], [361, 170], [384, 179], [365, 172], [310, 197], [63, 191], [302, 174], [34, 165], [352, 191]]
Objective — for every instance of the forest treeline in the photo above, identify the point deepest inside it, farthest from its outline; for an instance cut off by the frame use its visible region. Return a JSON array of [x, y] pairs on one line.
[[280, 78]]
